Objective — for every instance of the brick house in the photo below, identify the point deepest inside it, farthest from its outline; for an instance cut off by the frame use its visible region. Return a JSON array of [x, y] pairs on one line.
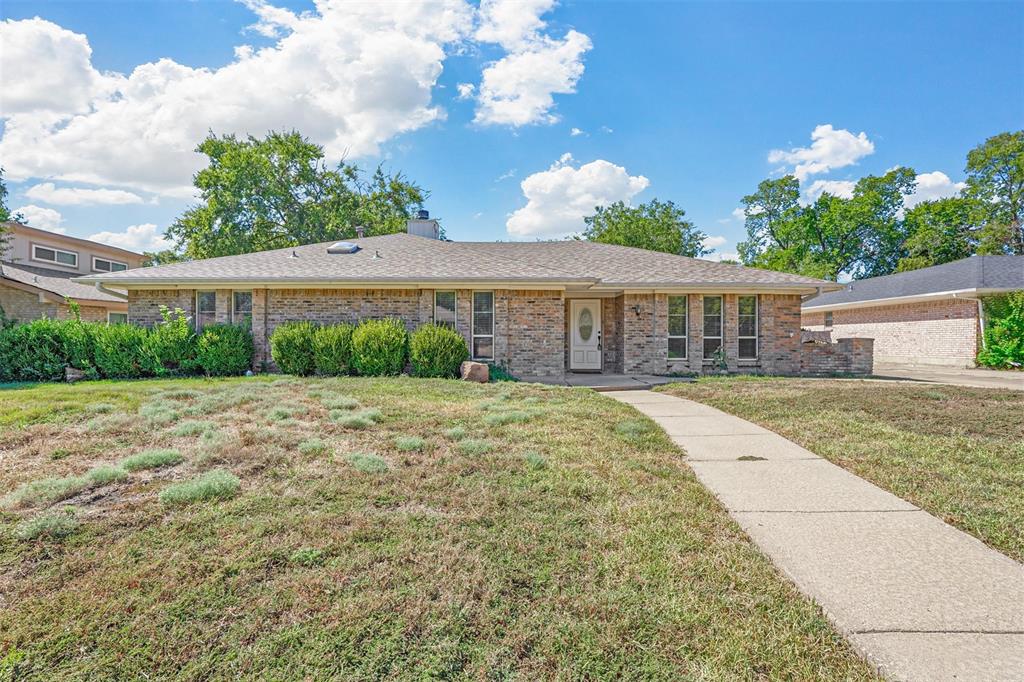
[[36, 272], [931, 316], [539, 309]]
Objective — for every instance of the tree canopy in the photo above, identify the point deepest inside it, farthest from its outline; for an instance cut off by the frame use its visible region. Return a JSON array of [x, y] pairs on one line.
[[873, 233], [276, 192], [655, 225], [5, 215]]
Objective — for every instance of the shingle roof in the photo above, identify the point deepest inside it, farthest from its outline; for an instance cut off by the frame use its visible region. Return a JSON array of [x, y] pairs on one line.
[[978, 272], [399, 258], [57, 283]]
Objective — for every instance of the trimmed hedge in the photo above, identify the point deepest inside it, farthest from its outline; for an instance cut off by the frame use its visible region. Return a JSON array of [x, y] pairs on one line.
[[291, 347], [1004, 332], [437, 351], [380, 347], [40, 350], [332, 349]]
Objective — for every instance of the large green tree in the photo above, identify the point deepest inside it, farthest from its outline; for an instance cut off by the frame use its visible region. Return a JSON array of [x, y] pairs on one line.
[[5, 215], [655, 226], [938, 231], [279, 191], [861, 235], [995, 182]]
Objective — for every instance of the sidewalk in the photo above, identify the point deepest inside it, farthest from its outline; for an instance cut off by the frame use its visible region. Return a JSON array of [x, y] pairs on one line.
[[919, 598]]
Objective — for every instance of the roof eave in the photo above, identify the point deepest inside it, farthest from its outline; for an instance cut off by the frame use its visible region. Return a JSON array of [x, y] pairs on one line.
[[904, 300]]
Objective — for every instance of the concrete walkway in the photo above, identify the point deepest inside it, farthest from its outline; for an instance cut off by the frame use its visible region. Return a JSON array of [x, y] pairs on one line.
[[919, 598], [978, 378]]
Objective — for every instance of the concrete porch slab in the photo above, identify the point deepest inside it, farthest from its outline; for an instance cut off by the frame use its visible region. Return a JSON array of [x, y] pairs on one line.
[[730, 448], [805, 485], [945, 656], [894, 571]]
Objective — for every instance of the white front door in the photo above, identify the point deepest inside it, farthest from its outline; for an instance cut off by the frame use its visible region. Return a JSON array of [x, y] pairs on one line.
[[585, 335]]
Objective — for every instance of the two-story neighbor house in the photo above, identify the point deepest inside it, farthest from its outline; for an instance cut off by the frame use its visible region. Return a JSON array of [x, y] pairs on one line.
[[36, 271]]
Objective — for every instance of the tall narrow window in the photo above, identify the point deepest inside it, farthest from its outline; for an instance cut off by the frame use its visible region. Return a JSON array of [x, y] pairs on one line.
[[444, 308], [677, 327], [828, 320], [483, 325], [241, 307], [747, 327], [712, 325], [206, 308]]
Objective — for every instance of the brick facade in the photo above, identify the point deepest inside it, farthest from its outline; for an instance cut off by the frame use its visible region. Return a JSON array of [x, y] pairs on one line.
[[942, 332], [24, 306], [530, 327], [846, 356]]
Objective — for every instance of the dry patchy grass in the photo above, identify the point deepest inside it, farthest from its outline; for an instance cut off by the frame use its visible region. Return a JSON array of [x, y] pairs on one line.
[[955, 451], [550, 548]]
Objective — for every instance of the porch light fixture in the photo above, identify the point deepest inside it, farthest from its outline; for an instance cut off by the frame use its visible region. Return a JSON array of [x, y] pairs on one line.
[[638, 309]]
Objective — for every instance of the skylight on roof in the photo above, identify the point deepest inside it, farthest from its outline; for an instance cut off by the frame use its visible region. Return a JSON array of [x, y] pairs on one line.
[[342, 247]]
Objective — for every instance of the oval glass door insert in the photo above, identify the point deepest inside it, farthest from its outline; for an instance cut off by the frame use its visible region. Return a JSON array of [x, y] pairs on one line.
[[586, 324]]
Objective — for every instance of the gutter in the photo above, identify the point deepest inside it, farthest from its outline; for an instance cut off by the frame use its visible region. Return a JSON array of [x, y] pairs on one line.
[[100, 287]]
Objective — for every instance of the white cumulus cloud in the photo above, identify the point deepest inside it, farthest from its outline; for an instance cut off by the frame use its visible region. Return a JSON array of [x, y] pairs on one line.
[[138, 238], [837, 188], [558, 198], [349, 75], [48, 193], [575, 131], [830, 148], [519, 88], [41, 217], [713, 242], [931, 186], [466, 90]]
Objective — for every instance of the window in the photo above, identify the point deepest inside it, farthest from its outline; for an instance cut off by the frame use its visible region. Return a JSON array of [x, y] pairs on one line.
[[828, 320], [45, 253], [677, 327], [206, 308], [748, 327], [241, 307], [483, 325], [104, 265], [117, 318], [712, 325], [444, 308]]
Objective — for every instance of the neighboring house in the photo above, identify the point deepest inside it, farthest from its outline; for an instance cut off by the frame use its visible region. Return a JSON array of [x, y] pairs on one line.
[[539, 309], [36, 274], [931, 316]]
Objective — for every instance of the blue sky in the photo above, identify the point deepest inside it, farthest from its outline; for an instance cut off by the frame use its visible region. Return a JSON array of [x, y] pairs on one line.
[[680, 101]]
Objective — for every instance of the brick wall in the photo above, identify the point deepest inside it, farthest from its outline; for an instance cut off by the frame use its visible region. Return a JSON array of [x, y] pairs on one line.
[[846, 356], [144, 306], [24, 306], [929, 333], [531, 328]]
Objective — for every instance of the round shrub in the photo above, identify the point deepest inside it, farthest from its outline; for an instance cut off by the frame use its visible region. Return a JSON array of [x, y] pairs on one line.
[[122, 351], [225, 350], [379, 348], [40, 350], [332, 349], [437, 351], [291, 347]]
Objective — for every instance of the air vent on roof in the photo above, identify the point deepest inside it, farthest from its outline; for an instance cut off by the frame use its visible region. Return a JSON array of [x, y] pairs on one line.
[[343, 247]]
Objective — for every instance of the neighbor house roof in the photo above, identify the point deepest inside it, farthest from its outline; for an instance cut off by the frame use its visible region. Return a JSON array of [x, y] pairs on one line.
[[403, 259], [57, 284], [974, 276], [30, 231]]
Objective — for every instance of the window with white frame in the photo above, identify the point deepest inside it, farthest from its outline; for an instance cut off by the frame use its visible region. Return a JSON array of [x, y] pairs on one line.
[[241, 307], [444, 308], [483, 325], [712, 325], [747, 335], [116, 318], [206, 308], [52, 255], [104, 265], [828, 320], [677, 323]]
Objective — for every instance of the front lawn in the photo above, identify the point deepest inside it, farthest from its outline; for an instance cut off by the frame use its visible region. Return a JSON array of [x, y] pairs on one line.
[[957, 452], [366, 529]]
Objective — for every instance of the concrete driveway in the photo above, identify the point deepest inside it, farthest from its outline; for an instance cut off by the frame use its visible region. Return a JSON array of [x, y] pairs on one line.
[[920, 599], [979, 378]]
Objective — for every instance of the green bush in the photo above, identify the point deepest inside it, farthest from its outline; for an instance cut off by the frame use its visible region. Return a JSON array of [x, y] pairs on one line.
[[332, 349], [437, 351], [1004, 332], [291, 347], [40, 350], [379, 347], [173, 343], [123, 352], [225, 350]]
